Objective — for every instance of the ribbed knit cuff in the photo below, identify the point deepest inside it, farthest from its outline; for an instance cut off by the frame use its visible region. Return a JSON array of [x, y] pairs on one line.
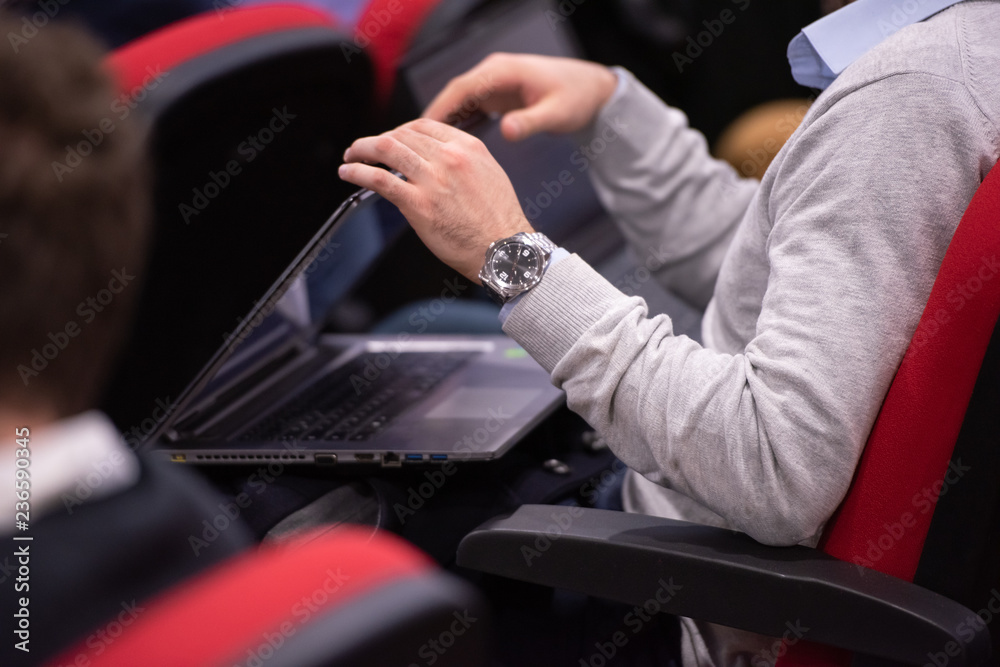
[[551, 317]]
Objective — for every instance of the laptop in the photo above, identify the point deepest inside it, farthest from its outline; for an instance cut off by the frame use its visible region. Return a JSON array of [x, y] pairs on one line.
[[275, 387], [279, 389]]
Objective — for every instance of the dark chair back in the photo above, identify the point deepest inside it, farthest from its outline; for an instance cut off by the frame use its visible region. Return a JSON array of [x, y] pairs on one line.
[[250, 111]]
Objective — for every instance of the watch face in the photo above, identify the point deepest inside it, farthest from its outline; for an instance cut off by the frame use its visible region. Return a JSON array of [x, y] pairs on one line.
[[516, 264]]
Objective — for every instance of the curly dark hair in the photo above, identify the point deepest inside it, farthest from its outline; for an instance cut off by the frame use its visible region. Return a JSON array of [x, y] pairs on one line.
[[74, 213]]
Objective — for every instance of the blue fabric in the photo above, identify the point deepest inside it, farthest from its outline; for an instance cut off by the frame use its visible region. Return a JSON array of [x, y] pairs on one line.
[[435, 316], [353, 249], [117, 22], [346, 11], [557, 256], [826, 47]]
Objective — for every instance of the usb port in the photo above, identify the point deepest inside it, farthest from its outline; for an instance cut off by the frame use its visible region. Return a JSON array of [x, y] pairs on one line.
[[414, 457], [439, 457]]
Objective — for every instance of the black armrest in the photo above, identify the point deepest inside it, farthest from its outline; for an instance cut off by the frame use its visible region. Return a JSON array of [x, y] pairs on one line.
[[725, 577]]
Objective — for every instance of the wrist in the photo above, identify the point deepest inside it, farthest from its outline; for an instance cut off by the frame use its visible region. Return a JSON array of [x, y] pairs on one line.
[[609, 81], [515, 264], [481, 252], [557, 256]]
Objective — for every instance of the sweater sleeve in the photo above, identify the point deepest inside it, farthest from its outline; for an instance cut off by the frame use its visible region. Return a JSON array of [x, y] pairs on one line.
[[676, 205], [849, 232]]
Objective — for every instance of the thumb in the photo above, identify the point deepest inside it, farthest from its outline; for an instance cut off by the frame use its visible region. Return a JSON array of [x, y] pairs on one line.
[[522, 123]]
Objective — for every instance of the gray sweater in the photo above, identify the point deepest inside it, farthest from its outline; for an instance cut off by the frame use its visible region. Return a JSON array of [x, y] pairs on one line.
[[814, 281]]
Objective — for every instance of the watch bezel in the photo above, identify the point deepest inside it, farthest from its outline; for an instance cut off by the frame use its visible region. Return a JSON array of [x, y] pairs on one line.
[[502, 289]]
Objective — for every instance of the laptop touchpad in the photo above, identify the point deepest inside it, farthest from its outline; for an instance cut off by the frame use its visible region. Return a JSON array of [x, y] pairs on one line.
[[482, 402]]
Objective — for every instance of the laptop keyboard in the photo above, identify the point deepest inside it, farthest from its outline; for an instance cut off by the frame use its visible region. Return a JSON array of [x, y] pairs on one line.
[[359, 399]]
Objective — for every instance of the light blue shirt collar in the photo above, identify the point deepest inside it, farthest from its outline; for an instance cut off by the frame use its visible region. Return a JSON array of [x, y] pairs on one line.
[[825, 48]]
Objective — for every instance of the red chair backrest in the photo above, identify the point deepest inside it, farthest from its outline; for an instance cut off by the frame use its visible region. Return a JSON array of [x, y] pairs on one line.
[[184, 40], [386, 29], [911, 444], [218, 615]]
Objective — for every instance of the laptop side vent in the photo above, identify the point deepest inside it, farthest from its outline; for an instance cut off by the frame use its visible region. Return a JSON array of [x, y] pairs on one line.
[[251, 457]]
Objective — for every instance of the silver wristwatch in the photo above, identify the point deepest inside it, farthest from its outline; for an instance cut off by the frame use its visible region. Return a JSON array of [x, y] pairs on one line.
[[515, 264]]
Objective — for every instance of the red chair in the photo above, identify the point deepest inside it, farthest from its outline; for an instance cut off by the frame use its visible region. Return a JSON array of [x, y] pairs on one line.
[[180, 42], [386, 29], [398, 34], [892, 579], [250, 111], [207, 86], [340, 599]]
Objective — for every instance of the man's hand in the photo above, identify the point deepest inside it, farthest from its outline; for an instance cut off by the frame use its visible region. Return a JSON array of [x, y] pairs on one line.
[[535, 93], [456, 196]]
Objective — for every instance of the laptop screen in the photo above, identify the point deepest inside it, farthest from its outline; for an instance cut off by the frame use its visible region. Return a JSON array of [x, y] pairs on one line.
[[246, 140], [250, 303], [332, 269]]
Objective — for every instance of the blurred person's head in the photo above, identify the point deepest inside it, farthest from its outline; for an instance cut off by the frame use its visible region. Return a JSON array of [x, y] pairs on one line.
[[73, 218]]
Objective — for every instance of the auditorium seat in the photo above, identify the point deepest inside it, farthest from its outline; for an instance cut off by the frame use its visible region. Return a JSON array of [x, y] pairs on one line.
[[250, 111], [908, 568], [342, 598]]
